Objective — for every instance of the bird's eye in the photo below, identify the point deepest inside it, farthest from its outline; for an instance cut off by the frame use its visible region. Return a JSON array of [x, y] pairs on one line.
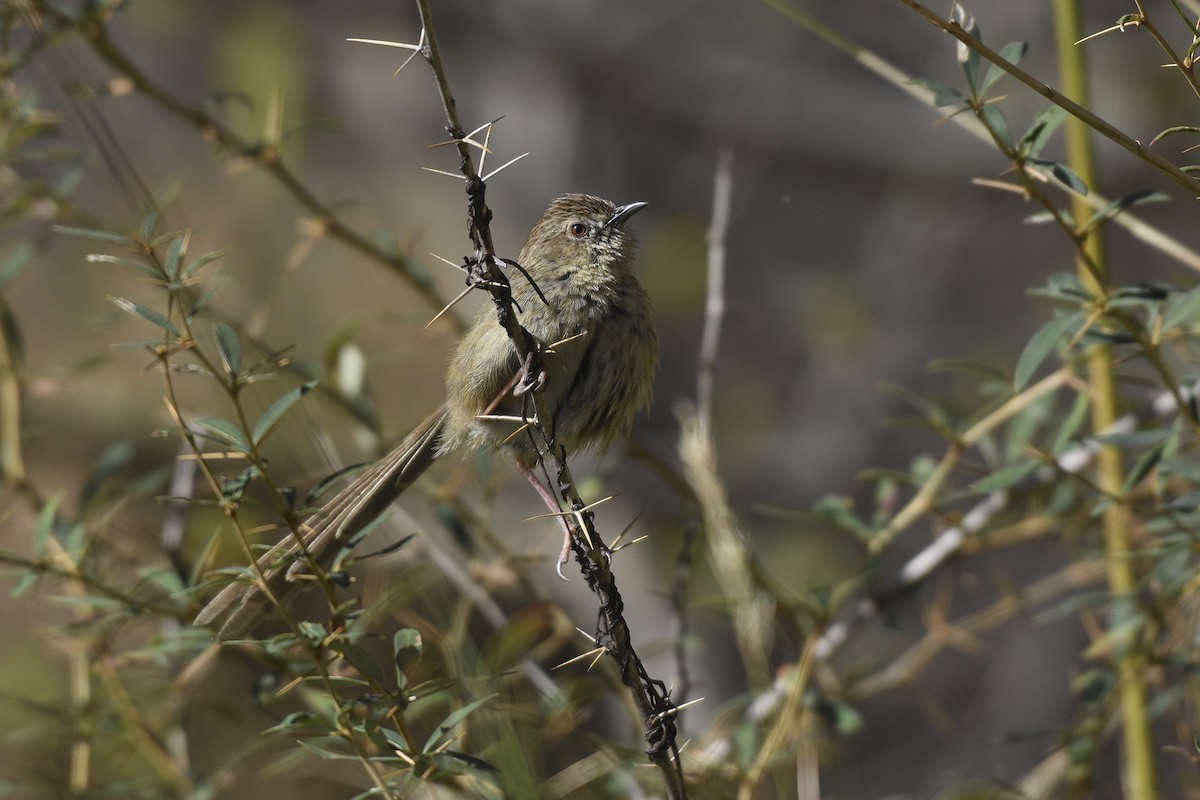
[[578, 230]]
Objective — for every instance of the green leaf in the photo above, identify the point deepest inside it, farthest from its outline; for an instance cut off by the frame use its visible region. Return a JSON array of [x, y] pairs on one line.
[[13, 263], [229, 347], [133, 264], [233, 487], [472, 761], [968, 59], [1072, 424], [1134, 439], [148, 314], [1040, 130], [839, 511], [1013, 52], [277, 409], [1041, 345], [175, 253], [1005, 477], [1153, 291], [406, 650], [1060, 172], [943, 95], [448, 724], [325, 752], [203, 260], [103, 236], [117, 457], [1115, 207], [994, 118], [47, 521], [1064, 286], [1140, 470], [149, 223], [1183, 308], [224, 431], [200, 303], [362, 661], [27, 581]]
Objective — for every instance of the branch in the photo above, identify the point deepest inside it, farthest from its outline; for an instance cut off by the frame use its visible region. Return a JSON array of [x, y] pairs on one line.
[[649, 696], [266, 155], [1104, 128]]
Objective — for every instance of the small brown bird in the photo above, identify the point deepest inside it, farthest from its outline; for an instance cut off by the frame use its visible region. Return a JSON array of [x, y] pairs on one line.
[[600, 354]]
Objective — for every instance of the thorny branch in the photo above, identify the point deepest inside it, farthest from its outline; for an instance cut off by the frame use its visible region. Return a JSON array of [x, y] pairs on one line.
[[650, 696]]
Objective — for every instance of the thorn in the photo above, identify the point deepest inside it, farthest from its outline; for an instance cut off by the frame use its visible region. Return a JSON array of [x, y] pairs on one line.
[[497, 171], [630, 543], [588, 507], [1120, 28], [561, 342], [386, 43], [579, 657], [465, 140], [450, 305], [624, 531], [454, 264], [443, 172]]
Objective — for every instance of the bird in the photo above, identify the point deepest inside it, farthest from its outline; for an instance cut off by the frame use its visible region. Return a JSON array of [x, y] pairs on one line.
[[577, 294]]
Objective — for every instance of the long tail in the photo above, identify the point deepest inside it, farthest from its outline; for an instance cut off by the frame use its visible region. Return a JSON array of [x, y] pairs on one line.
[[243, 603]]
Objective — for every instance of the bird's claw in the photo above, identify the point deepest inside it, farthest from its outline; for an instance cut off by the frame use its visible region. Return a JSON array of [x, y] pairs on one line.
[[527, 384]]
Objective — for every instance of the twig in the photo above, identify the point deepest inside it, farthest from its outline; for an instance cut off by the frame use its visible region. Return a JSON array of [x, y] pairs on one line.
[[714, 306], [265, 155], [1101, 126], [903, 81]]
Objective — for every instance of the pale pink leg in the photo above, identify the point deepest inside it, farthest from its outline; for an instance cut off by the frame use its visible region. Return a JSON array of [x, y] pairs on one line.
[[552, 503]]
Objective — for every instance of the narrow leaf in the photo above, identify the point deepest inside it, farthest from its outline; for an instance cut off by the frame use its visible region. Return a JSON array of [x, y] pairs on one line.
[[1013, 52], [133, 264], [1060, 172], [200, 303], [175, 254], [1042, 127], [277, 409], [229, 347], [1143, 467], [968, 59], [362, 661], [117, 457], [1115, 207], [207, 258], [452, 720], [1184, 308], [994, 118], [1041, 345], [1072, 424], [103, 236], [406, 649], [224, 431], [1005, 477], [943, 95], [14, 262], [148, 314]]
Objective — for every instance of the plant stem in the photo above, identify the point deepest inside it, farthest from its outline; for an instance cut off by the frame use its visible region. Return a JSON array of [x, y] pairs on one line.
[[1138, 768]]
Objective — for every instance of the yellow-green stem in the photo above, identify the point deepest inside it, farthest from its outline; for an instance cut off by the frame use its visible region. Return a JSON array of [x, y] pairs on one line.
[[1138, 746]]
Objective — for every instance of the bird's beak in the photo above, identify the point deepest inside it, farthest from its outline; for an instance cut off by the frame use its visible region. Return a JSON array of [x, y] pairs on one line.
[[623, 213]]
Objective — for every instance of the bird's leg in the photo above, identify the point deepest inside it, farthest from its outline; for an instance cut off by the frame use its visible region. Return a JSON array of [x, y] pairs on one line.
[[555, 509]]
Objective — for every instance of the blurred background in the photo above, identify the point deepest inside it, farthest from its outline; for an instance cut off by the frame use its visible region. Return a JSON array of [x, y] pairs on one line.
[[859, 251]]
